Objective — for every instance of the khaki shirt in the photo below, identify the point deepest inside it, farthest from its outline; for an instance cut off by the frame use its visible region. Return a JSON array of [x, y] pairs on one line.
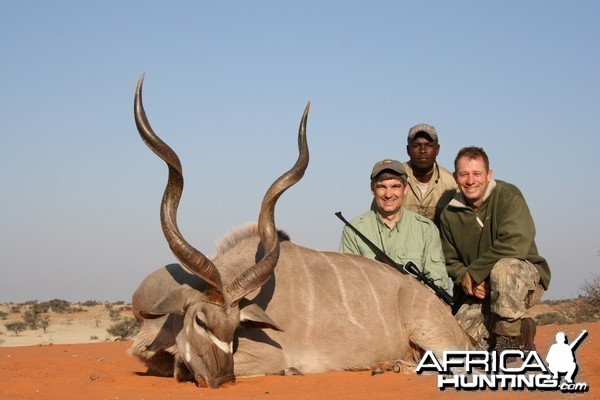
[[413, 238], [442, 188]]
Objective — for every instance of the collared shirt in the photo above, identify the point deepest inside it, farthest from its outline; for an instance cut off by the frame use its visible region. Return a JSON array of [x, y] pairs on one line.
[[413, 238]]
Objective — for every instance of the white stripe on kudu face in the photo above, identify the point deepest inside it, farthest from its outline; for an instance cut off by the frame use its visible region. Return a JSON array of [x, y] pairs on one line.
[[226, 347], [187, 352]]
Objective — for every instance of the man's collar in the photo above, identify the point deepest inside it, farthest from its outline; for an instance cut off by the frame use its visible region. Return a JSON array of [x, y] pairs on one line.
[[436, 171], [381, 222], [459, 200]]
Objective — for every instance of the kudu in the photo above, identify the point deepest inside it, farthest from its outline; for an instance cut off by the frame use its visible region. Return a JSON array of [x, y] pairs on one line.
[[264, 305]]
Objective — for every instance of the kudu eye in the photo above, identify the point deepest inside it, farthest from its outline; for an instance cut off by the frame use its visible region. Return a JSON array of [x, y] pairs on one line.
[[201, 323]]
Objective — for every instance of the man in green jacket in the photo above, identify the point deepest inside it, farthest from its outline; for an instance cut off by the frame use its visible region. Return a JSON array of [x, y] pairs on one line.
[[402, 234], [488, 239]]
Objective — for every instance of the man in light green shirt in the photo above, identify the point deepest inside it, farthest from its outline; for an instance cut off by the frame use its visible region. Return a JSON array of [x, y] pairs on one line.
[[402, 234]]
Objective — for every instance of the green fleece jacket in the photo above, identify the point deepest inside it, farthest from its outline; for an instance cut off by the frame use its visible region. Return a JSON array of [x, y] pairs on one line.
[[501, 228]]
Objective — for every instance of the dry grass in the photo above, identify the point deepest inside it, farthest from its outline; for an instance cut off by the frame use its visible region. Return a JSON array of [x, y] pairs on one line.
[[586, 308], [88, 324]]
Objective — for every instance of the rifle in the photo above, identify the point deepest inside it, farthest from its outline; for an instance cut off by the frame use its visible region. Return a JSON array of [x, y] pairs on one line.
[[412, 268], [408, 269], [576, 342]]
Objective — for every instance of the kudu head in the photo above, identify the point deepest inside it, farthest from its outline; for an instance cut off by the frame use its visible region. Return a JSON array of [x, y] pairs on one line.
[[213, 311]]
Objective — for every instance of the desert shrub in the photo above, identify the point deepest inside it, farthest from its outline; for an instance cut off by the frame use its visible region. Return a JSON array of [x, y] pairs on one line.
[[124, 329], [551, 318], [40, 308], [31, 318], [590, 300], [114, 315], [44, 322], [58, 306], [587, 307], [552, 302], [15, 310], [90, 303], [3, 315], [93, 337], [16, 327], [591, 292]]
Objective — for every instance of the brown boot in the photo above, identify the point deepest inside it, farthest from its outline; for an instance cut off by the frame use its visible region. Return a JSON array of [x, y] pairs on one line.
[[528, 334], [507, 343]]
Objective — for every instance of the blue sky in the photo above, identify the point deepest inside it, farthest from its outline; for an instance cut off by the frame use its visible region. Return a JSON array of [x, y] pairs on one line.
[[226, 84]]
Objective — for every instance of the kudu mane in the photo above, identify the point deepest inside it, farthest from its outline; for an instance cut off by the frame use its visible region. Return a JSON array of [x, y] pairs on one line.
[[237, 235]]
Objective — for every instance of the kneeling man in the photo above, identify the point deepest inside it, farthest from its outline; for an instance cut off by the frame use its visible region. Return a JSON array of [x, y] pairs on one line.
[[488, 239]]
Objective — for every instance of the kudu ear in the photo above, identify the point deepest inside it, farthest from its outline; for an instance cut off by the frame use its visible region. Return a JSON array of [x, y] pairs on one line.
[[252, 317], [174, 303]]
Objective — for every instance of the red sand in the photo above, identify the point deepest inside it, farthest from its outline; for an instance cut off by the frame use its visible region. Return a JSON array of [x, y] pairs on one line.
[[106, 371]]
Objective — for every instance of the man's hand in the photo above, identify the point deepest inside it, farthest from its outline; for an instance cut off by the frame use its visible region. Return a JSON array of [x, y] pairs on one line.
[[473, 289]]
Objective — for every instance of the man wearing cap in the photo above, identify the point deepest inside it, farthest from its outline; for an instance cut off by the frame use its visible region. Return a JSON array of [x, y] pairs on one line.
[[431, 187], [488, 237], [402, 234]]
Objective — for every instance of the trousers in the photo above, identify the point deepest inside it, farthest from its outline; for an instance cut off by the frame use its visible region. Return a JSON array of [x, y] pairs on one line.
[[514, 288]]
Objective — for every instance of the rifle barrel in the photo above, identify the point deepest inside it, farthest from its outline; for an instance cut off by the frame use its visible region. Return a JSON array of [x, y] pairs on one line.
[[405, 269]]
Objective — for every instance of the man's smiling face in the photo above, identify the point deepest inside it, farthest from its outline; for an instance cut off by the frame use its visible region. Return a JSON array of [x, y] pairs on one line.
[[389, 194], [473, 179]]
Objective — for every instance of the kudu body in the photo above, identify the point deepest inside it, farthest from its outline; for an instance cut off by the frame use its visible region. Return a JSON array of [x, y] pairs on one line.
[[265, 305]]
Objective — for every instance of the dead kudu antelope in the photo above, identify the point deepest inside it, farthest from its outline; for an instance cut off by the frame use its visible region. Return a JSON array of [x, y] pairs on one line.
[[264, 305]]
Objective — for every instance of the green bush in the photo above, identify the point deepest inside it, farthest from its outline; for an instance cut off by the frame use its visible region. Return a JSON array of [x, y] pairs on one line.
[[31, 318], [90, 303], [124, 329], [59, 306], [114, 315], [44, 322], [40, 308], [16, 327]]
